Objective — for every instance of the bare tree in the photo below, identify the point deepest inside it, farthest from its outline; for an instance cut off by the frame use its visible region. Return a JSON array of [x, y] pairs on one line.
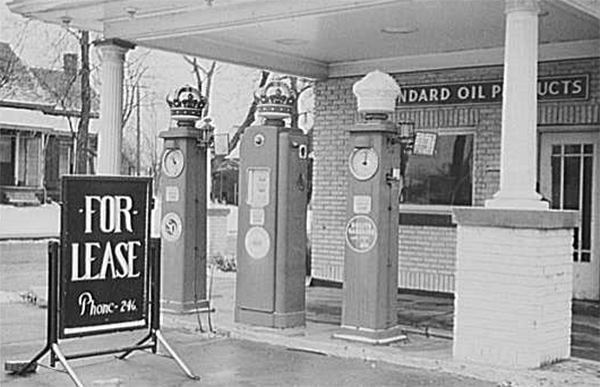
[[8, 68], [135, 71], [298, 87], [83, 154], [135, 96], [204, 77], [249, 118], [9, 61]]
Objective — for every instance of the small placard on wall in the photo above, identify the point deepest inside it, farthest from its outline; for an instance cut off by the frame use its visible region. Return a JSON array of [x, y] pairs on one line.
[[424, 143], [257, 217], [362, 204], [172, 194]]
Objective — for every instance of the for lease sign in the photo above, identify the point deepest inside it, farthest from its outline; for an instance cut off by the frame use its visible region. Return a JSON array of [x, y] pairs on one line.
[[104, 255]]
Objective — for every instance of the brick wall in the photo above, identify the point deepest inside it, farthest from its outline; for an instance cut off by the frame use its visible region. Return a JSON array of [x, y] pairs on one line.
[[513, 305], [335, 108], [427, 258]]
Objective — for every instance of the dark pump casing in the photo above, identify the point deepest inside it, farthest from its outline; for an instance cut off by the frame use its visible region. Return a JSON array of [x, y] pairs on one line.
[[272, 225]]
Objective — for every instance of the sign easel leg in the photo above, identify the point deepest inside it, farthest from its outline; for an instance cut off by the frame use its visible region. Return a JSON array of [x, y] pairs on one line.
[[56, 350], [155, 318], [175, 357], [155, 335], [141, 342], [52, 318]]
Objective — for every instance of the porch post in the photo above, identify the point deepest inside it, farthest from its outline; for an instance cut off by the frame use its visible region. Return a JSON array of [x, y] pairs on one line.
[[111, 105], [519, 110], [17, 158]]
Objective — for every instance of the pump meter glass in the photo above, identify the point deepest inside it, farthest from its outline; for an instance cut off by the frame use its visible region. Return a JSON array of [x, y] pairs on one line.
[[364, 163], [173, 162]]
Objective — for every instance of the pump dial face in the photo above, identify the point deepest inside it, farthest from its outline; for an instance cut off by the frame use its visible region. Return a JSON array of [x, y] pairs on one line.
[[364, 163], [173, 162]]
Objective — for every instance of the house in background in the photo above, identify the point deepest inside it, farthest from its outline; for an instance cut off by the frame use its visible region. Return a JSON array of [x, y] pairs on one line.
[[225, 178], [39, 113]]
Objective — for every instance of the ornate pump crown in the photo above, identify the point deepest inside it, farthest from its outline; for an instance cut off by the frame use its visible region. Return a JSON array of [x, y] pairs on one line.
[[275, 100], [186, 105]]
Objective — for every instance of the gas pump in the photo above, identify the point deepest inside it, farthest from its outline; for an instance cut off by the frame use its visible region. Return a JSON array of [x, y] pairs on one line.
[[369, 311], [183, 225], [271, 249]]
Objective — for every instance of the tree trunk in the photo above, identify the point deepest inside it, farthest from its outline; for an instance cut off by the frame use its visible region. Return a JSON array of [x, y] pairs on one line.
[[86, 102], [249, 119], [295, 117]]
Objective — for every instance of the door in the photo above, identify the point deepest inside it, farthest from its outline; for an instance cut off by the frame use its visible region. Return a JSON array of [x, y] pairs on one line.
[[570, 179]]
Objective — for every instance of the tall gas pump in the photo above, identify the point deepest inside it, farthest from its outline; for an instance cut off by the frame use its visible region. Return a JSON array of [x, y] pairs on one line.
[[271, 249], [369, 310], [183, 225]]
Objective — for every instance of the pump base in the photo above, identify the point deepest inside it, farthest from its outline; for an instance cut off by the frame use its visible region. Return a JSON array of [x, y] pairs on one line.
[[371, 336], [270, 319]]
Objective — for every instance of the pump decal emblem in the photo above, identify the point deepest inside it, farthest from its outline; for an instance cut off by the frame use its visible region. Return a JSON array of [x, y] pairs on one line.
[[257, 242], [257, 217], [171, 227], [361, 204], [259, 185], [361, 233]]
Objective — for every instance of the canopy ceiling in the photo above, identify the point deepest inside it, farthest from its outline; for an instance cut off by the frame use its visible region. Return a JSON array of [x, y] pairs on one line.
[[319, 39]]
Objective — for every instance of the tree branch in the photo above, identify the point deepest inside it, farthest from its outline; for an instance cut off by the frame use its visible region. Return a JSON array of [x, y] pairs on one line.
[[249, 119]]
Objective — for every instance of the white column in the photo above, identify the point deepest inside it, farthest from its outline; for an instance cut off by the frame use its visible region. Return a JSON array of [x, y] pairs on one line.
[[17, 158], [519, 110], [111, 106]]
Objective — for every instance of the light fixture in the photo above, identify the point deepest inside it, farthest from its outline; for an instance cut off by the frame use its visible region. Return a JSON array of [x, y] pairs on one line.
[[206, 134], [406, 138], [406, 134], [290, 41], [399, 30], [66, 20], [131, 12]]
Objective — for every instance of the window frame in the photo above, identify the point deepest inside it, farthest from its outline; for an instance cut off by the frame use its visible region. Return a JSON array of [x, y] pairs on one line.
[[444, 209]]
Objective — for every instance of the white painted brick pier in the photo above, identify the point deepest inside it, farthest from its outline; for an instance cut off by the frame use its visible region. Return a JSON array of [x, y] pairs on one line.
[[513, 286]]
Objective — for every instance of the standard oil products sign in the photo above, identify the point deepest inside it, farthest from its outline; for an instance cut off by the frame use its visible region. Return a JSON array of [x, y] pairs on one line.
[[553, 88], [104, 262]]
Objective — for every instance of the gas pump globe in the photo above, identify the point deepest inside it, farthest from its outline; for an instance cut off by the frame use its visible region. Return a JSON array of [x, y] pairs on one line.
[[369, 311], [183, 189], [271, 250]]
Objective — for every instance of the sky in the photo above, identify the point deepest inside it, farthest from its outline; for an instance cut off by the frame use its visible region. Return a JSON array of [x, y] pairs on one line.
[[42, 45]]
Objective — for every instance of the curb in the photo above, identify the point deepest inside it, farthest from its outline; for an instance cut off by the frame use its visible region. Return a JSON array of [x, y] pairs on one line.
[[578, 372]]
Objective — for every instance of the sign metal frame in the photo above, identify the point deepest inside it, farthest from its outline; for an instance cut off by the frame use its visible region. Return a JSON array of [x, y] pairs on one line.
[[56, 289]]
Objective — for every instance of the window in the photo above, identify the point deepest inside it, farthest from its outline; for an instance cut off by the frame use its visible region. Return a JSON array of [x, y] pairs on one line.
[[446, 177], [7, 167], [572, 175]]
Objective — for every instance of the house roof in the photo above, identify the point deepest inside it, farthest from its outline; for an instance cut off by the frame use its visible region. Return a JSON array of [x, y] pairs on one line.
[[17, 84], [53, 92], [64, 89]]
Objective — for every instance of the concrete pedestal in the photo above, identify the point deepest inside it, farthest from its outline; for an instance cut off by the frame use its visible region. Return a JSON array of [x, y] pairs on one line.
[[513, 286]]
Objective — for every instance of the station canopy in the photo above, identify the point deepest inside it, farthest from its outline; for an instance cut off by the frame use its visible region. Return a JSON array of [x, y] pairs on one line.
[[328, 38]]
